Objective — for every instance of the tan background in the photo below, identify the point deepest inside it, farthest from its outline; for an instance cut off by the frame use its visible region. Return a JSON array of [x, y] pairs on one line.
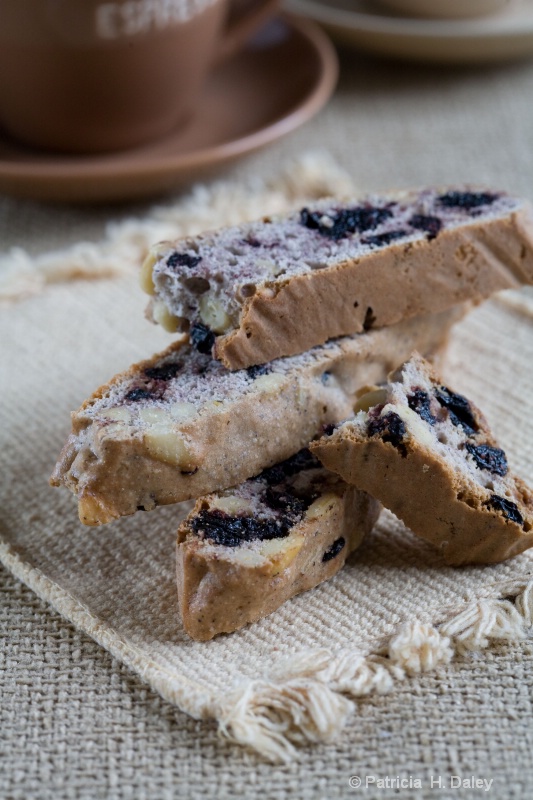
[[75, 723]]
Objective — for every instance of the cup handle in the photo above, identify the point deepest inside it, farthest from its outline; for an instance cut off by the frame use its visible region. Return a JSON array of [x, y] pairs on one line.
[[244, 18]]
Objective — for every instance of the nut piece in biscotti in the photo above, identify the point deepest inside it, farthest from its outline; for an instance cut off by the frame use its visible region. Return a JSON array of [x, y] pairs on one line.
[[243, 552], [428, 455], [180, 425], [279, 286]]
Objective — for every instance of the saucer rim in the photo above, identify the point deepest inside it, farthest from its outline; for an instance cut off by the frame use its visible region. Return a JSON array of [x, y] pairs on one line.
[[512, 28], [61, 172]]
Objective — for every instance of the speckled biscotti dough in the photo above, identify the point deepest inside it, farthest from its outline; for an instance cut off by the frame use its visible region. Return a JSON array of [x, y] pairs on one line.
[[428, 455], [277, 287], [180, 425], [243, 552]]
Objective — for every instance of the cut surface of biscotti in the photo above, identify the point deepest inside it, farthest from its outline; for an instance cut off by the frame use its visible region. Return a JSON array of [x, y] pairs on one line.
[[428, 455], [180, 425], [243, 552], [279, 286]]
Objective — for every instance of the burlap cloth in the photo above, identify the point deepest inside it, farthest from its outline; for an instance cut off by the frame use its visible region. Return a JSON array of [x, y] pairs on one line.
[[78, 724]]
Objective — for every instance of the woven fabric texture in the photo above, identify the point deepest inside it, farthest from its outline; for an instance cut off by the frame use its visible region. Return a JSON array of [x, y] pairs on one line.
[[117, 583]]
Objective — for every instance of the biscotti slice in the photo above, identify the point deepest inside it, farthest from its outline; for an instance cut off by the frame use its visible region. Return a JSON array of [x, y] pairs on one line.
[[243, 552], [428, 455], [180, 425], [277, 287]]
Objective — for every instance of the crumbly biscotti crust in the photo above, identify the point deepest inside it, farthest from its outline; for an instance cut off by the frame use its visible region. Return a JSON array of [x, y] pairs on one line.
[[243, 552], [180, 425], [284, 284], [429, 456]]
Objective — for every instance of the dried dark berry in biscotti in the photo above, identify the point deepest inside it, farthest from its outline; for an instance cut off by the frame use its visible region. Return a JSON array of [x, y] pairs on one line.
[[344, 222], [391, 428], [466, 200], [365, 218], [335, 549], [138, 393], [425, 222], [491, 458], [255, 371], [183, 260], [507, 507], [272, 475], [420, 402], [329, 430], [381, 239], [164, 373], [369, 319], [459, 409], [202, 338], [292, 506], [311, 220], [252, 241], [301, 460], [231, 531]]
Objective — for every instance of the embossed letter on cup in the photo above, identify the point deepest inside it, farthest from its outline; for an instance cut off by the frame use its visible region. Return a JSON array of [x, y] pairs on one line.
[[87, 76]]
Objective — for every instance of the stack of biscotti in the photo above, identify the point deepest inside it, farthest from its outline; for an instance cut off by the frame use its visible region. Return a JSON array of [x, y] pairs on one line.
[[285, 320]]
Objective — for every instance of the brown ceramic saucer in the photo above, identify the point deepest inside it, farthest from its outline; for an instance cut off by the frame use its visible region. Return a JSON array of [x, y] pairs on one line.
[[283, 77]]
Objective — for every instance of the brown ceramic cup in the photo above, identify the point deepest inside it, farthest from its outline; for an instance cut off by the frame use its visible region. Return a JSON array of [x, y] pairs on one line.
[[88, 76]]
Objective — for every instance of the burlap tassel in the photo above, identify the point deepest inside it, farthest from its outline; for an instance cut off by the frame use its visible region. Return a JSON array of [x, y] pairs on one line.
[[358, 677], [274, 717], [524, 605], [419, 648], [306, 699], [483, 622]]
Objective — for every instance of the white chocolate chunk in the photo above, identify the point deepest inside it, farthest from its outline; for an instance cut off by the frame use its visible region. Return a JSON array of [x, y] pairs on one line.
[[118, 414], [322, 505], [213, 315], [162, 315], [282, 551], [146, 278], [367, 400], [249, 558], [232, 505], [269, 383], [165, 444]]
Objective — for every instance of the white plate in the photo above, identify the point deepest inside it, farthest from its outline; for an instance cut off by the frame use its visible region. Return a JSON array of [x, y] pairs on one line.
[[499, 37]]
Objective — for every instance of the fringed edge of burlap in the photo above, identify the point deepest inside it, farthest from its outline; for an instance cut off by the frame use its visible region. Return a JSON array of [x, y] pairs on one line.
[[308, 697]]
